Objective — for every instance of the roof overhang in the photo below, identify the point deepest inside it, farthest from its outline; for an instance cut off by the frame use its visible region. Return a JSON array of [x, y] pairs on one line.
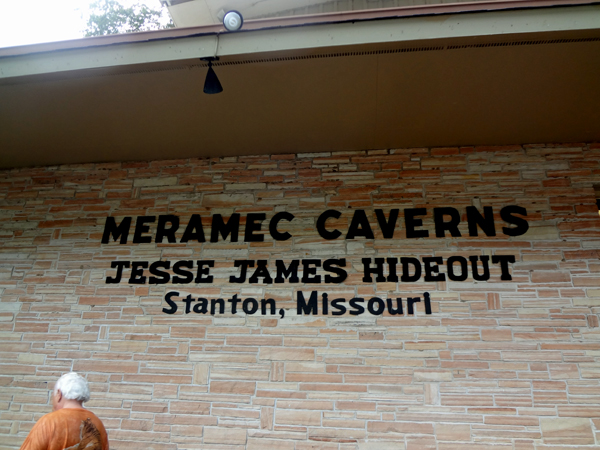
[[513, 75]]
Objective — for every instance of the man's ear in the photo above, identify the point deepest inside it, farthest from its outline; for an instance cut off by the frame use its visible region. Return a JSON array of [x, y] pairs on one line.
[[59, 395]]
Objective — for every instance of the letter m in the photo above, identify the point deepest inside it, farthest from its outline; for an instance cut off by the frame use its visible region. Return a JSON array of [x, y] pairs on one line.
[[111, 229], [308, 309]]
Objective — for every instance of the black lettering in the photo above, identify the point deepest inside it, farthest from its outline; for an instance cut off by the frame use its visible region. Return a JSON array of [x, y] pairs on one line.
[[338, 305], [406, 277], [359, 226], [485, 222], [213, 305], [111, 229], [204, 269], [411, 222], [119, 265], [392, 275], [291, 271], [261, 272], [171, 303], [169, 233], [263, 306], [368, 270], [201, 306], [390, 306], [244, 264], [464, 270], [335, 266], [254, 223], [323, 232], [358, 309], [387, 227], [188, 301], [234, 301], [312, 307], [504, 260], [140, 228], [194, 230], [275, 221], [137, 272], [380, 306], [430, 269], [441, 225], [309, 273], [409, 304], [232, 227], [521, 224], [427, 303], [186, 276], [160, 277], [250, 306], [485, 260]]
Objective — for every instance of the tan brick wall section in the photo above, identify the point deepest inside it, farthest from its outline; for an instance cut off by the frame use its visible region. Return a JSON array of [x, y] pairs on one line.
[[498, 364]]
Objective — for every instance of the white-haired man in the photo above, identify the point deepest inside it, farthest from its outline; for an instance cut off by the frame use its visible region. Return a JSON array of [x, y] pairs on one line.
[[70, 426]]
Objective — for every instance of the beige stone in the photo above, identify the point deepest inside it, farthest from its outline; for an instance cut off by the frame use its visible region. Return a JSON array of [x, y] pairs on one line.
[[297, 417], [568, 431], [381, 445], [508, 364], [269, 444], [201, 372], [452, 432], [224, 436]]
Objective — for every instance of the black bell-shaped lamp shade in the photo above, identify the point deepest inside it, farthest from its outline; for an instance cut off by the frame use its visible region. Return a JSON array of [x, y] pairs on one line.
[[212, 84]]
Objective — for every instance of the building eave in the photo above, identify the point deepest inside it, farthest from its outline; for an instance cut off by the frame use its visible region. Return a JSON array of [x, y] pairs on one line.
[[439, 21], [480, 78]]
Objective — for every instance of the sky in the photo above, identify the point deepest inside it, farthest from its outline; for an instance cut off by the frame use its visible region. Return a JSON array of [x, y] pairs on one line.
[[25, 22]]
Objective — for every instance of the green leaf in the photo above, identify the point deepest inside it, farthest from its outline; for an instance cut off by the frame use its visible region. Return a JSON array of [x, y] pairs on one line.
[[111, 17]]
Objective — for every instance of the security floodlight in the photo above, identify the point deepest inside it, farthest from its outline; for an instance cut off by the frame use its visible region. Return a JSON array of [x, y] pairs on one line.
[[233, 21]]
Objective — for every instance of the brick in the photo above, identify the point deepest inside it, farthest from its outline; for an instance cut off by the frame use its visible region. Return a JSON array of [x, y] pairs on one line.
[[158, 181], [225, 200]]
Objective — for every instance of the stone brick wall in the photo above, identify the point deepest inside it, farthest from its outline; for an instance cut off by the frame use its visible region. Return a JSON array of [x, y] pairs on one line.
[[499, 363]]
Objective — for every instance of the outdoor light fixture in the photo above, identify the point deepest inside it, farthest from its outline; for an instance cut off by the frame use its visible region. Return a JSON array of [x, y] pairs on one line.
[[211, 83], [233, 21]]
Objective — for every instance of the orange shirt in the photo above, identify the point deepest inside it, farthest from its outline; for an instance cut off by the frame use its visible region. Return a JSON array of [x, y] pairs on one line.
[[67, 428]]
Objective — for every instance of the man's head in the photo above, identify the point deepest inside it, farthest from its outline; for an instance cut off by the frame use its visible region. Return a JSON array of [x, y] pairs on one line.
[[70, 391]]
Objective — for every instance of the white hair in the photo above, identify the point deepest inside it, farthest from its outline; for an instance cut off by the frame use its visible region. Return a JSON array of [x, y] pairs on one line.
[[73, 387]]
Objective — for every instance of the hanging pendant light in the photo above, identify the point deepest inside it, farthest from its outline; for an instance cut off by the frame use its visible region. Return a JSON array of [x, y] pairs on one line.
[[211, 83]]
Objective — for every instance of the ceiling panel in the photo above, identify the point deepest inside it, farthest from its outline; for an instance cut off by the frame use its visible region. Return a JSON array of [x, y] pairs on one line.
[[365, 98]]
